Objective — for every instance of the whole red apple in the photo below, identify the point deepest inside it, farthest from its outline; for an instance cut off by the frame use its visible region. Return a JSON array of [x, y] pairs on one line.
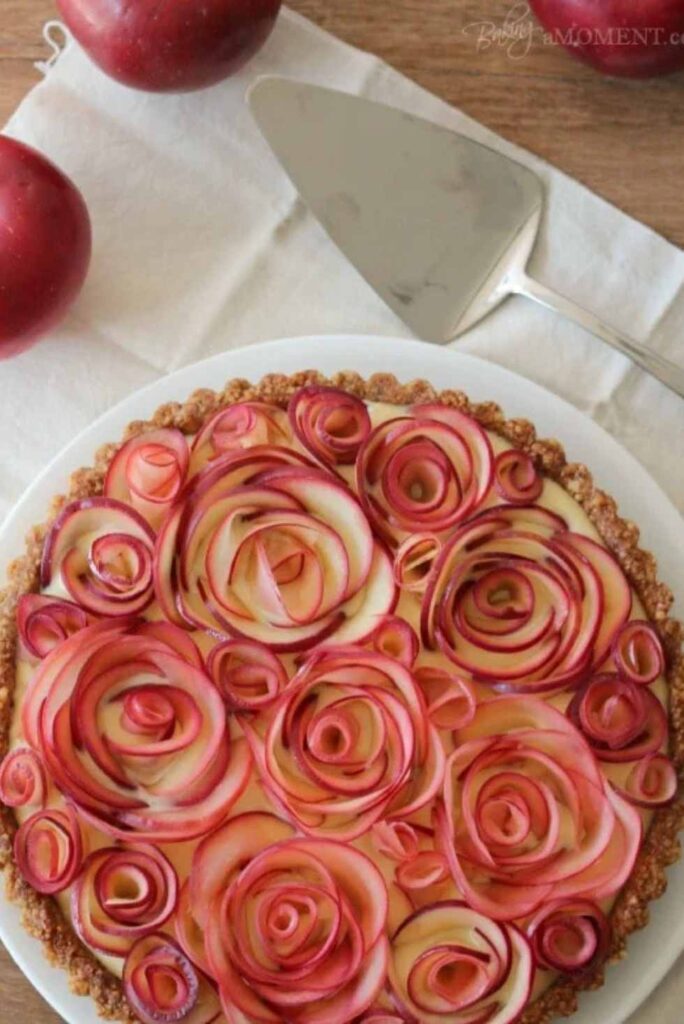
[[170, 45], [44, 245], [633, 38]]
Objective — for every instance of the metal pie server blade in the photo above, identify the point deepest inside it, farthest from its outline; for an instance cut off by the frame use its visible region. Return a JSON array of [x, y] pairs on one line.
[[439, 225]]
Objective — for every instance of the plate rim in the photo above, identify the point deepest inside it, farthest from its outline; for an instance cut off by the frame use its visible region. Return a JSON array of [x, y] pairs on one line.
[[342, 349]]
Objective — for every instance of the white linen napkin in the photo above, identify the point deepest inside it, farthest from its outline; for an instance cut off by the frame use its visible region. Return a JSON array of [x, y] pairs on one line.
[[201, 244]]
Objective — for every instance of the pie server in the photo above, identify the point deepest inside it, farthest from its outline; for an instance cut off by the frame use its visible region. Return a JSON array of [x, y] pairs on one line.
[[440, 226]]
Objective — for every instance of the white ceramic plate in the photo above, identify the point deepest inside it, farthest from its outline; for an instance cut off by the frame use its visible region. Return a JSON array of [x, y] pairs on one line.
[[652, 952]]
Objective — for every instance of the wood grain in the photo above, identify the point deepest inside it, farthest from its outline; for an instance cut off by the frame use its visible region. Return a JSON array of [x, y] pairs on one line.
[[623, 139]]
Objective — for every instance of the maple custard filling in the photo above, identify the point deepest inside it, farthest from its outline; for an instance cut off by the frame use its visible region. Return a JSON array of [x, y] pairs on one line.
[[340, 712]]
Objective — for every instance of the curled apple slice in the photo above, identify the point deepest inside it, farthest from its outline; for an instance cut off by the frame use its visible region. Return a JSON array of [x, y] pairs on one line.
[[44, 622], [423, 472], [427, 869], [248, 675], [396, 638], [102, 551], [569, 936], [120, 894], [652, 782], [22, 779], [188, 932], [330, 424], [516, 478], [419, 866], [48, 849], [242, 425], [148, 472], [413, 561], [638, 653], [450, 962], [450, 700], [381, 1016]]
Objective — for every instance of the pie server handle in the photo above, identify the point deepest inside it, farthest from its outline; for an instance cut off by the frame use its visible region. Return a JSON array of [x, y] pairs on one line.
[[667, 372]]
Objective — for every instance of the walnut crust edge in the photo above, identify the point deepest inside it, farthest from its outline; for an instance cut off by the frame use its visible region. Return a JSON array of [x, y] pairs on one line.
[[41, 915]]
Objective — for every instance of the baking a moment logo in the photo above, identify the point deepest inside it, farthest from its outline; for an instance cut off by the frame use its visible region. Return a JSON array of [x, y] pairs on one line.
[[519, 30]]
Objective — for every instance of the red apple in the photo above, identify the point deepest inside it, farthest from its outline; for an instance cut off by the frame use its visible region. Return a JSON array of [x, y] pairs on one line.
[[44, 245], [172, 45], [633, 38]]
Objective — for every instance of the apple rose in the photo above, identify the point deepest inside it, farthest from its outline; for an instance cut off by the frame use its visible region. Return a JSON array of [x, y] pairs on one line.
[[527, 816], [638, 653], [44, 621], [569, 936], [516, 478], [243, 425], [652, 782], [329, 423], [349, 743], [22, 779], [48, 849], [148, 472], [621, 721], [294, 930], [163, 987], [101, 550], [449, 962], [424, 472], [518, 601], [134, 733], [122, 892], [266, 546]]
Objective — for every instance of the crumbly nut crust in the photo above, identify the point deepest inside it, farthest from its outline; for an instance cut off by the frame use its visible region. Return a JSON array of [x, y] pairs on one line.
[[41, 915]]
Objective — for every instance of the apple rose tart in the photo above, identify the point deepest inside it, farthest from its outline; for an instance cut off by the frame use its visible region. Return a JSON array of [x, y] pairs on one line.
[[337, 702]]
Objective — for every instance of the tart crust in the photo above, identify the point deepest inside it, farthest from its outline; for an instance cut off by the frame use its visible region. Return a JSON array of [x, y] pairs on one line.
[[42, 917]]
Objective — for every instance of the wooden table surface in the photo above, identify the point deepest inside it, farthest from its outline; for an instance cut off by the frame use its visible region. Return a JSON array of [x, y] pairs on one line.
[[625, 140]]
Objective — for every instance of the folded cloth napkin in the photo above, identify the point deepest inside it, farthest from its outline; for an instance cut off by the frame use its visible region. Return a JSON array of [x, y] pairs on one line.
[[201, 244]]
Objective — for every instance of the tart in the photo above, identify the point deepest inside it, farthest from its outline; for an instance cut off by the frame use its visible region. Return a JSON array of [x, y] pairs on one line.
[[332, 701]]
